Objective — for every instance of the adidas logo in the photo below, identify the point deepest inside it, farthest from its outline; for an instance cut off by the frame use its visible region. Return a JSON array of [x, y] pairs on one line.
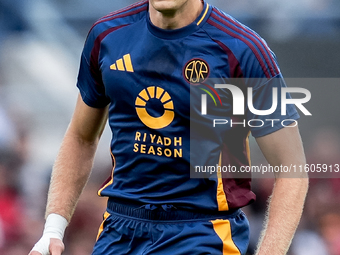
[[123, 64]]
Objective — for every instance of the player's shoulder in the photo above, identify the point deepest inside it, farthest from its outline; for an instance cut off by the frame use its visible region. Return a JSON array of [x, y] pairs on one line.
[[241, 40], [120, 18], [228, 26]]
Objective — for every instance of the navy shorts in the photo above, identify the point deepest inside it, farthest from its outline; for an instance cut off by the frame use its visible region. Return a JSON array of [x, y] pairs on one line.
[[160, 230]]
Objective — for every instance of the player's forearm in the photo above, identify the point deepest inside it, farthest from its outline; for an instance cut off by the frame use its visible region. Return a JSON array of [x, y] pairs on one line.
[[284, 213], [70, 174], [283, 147]]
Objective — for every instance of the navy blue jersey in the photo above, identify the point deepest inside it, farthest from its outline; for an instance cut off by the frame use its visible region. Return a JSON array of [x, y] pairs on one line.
[[147, 75]]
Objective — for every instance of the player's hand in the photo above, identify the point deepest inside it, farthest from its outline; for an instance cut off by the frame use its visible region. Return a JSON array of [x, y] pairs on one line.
[[51, 241], [53, 246]]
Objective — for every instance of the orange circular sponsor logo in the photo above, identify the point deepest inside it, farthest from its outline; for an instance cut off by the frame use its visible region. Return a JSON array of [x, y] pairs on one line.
[[164, 99]]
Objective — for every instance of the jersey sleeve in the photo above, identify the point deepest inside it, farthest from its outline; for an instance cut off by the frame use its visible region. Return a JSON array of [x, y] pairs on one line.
[[267, 96], [89, 82], [262, 74]]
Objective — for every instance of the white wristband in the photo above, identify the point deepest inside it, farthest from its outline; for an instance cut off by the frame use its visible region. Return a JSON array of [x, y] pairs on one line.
[[55, 226]]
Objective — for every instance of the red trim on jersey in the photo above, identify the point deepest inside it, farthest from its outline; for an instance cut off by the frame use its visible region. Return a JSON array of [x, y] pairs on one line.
[[115, 16], [125, 9], [128, 11], [256, 36], [94, 67], [262, 64], [241, 29], [235, 70], [109, 180], [237, 186], [259, 44]]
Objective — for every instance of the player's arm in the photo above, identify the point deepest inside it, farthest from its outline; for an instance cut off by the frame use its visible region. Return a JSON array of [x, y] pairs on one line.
[[283, 147], [71, 170]]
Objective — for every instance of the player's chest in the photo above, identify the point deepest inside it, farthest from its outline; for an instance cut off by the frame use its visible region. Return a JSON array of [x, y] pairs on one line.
[[172, 66]]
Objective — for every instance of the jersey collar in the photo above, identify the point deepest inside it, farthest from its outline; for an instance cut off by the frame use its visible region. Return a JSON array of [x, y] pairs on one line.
[[181, 32]]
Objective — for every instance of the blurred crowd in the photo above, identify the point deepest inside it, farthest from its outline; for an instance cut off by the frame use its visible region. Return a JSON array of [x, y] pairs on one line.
[[21, 215], [26, 110]]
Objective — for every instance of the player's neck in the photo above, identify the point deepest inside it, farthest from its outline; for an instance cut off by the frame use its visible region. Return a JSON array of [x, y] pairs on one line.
[[175, 19]]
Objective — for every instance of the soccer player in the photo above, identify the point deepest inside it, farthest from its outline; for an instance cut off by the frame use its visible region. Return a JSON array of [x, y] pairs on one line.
[[142, 68]]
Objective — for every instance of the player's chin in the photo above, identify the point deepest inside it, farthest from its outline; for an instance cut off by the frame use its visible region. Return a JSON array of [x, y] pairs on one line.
[[165, 6]]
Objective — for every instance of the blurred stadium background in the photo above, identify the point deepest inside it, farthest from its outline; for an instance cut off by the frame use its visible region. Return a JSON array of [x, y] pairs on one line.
[[40, 47]]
